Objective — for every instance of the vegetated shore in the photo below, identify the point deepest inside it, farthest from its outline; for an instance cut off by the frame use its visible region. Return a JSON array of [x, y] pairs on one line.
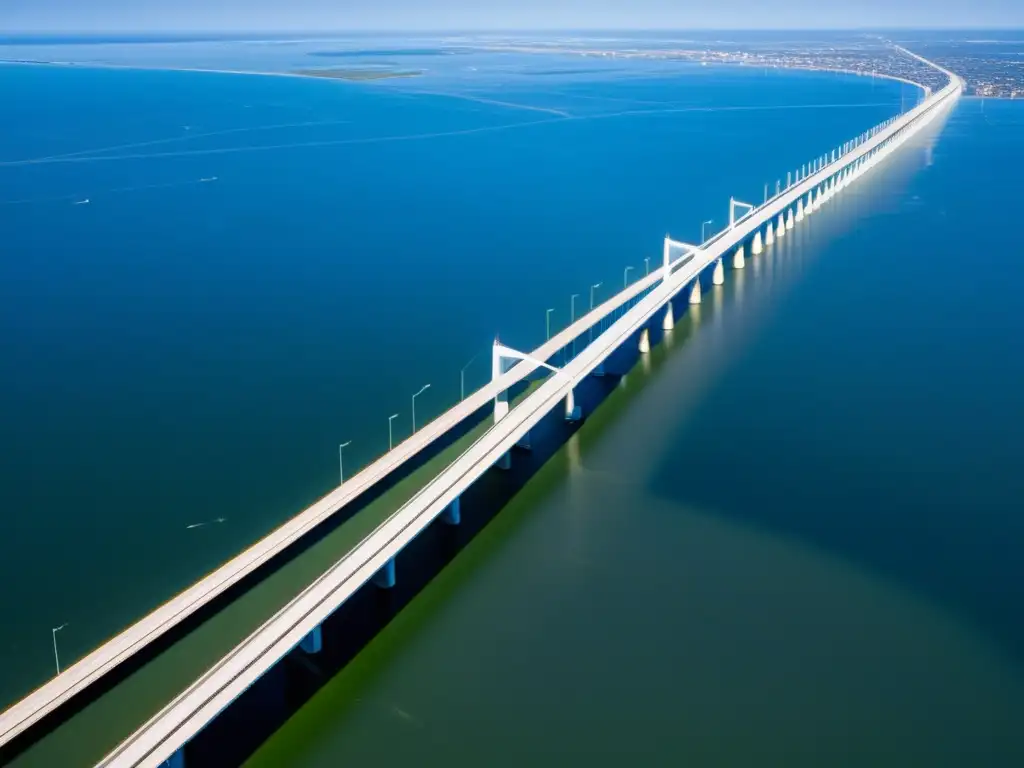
[[328, 74], [356, 74]]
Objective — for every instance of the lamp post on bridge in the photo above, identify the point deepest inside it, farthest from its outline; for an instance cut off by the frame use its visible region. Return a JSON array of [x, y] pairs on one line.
[[625, 284], [592, 289], [56, 658], [647, 266], [462, 376], [702, 225], [547, 324], [391, 442], [423, 389], [341, 461], [572, 318]]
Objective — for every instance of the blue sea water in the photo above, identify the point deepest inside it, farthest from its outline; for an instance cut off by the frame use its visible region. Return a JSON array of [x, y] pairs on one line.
[[181, 358], [790, 537]]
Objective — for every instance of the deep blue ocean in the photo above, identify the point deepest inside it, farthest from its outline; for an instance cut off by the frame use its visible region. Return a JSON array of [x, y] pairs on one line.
[[267, 267], [790, 537]]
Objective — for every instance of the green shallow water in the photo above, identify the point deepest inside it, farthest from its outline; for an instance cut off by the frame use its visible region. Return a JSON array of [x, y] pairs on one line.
[[789, 538]]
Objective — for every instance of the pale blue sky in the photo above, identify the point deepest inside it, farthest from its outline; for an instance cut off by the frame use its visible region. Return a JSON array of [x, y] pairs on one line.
[[339, 15]]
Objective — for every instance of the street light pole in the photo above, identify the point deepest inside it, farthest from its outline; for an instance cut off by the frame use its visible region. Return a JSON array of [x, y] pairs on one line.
[[462, 376], [391, 442], [572, 319], [341, 459], [592, 288], [56, 658], [647, 266], [423, 389], [704, 224], [625, 284], [547, 324]]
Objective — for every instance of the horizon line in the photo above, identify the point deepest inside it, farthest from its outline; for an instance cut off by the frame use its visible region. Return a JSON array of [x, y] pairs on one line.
[[463, 30]]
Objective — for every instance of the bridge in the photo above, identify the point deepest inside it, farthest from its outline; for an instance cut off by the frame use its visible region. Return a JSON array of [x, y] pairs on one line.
[[628, 314]]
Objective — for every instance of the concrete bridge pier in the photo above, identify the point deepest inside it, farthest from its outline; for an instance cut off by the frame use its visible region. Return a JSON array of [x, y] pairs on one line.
[[738, 259], [756, 248], [800, 210], [452, 514], [314, 641], [645, 342], [718, 276], [789, 218], [695, 291], [524, 442], [573, 412], [669, 321], [385, 577], [769, 234], [780, 227]]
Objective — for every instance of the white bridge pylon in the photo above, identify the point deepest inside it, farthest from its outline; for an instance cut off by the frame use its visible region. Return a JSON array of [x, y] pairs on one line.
[[688, 249], [500, 355], [733, 202]]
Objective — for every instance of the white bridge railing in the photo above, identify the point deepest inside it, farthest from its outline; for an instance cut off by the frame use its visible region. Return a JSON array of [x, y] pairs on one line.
[[163, 737]]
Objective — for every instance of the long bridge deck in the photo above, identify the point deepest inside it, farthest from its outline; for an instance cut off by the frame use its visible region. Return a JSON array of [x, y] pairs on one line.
[[370, 539], [183, 718]]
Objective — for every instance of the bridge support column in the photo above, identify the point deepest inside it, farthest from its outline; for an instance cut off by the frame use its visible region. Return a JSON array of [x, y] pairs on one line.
[[314, 641], [769, 234], [756, 248], [789, 218], [497, 369], [718, 276], [385, 577], [452, 514], [645, 342], [572, 411], [780, 227], [524, 442], [599, 370], [800, 209], [809, 208], [738, 260], [669, 321], [695, 291]]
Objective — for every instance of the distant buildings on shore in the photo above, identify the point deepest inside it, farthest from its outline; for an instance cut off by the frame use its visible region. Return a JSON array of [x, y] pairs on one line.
[[992, 70]]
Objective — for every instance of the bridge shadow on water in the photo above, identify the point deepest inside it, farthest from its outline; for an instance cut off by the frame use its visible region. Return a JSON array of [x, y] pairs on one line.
[[239, 730]]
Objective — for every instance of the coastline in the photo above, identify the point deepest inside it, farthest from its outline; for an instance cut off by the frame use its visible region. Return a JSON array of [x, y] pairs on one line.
[[201, 70], [306, 75]]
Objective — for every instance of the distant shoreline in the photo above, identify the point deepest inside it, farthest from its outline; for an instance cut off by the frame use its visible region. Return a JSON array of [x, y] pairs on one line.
[[349, 75], [356, 75]]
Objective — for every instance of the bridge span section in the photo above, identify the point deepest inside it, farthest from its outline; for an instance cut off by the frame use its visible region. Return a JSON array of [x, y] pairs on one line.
[[165, 737]]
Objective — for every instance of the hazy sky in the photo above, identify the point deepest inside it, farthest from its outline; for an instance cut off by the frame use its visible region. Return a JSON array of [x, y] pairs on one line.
[[337, 15]]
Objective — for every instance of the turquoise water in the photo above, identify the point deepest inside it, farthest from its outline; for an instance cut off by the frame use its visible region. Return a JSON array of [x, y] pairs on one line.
[[791, 537], [183, 357]]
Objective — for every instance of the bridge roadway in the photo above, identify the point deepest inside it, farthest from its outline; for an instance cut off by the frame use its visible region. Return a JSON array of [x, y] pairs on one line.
[[161, 738], [76, 678]]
